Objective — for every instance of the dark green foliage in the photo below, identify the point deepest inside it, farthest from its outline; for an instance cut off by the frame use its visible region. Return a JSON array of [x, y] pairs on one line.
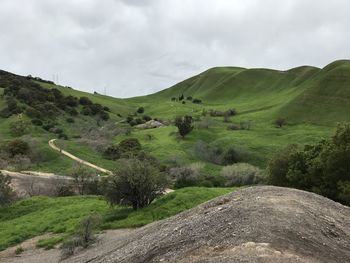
[[146, 118], [173, 99], [220, 155], [136, 183], [7, 196], [140, 110], [189, 98], [48, 125], [33, 113], [12, 108], [113, 152], [183, 102], [70, 120], [181, 97], [105, 108], [280, 122], [197, 101], [127, 147], [130, 145], [184, 125], [62, 136], [129, 119], [323, 168], [19, 127], [18, 147], [37, 122], [85, 101]]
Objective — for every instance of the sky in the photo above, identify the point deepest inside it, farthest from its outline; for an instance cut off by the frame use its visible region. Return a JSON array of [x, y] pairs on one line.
[[128, 48]]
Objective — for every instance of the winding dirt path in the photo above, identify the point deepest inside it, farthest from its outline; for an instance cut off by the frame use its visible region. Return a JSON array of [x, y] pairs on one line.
[[75, 158]]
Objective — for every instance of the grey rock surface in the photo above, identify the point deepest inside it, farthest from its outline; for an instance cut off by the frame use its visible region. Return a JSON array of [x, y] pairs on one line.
[[256, 224]]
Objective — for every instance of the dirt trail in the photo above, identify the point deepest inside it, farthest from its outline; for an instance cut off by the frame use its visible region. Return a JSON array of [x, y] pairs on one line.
[[53, 146]]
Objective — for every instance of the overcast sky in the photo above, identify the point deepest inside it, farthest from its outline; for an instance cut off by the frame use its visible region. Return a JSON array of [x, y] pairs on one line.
[[136, 47]]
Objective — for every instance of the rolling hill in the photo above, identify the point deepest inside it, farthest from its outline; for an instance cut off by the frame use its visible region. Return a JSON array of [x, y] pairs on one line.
[[311, 100]]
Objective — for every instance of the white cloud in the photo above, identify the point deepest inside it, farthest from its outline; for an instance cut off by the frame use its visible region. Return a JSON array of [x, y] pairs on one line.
[[138, 47]]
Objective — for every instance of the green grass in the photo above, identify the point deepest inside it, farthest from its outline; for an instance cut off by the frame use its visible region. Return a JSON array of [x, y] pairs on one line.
[[312, 101], [38, 215]]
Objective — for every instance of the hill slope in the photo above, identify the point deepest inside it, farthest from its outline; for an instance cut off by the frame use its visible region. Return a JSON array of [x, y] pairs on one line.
[[303, 94], [257, 224]]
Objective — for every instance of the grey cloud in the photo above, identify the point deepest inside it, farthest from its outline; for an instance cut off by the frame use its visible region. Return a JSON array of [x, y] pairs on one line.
[[135, 47]]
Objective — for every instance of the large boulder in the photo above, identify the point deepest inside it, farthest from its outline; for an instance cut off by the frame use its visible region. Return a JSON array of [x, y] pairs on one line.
[[256, 224]]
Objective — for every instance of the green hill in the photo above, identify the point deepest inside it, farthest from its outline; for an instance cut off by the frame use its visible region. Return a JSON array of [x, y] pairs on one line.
[[312, 101]]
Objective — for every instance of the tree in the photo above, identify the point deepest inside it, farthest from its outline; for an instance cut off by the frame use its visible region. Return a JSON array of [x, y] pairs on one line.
[[184, 125], [181, 97], [280, 122], [18, 147], [136, 183], [323, 168], [82, 178], [7, 195], [140, 110]]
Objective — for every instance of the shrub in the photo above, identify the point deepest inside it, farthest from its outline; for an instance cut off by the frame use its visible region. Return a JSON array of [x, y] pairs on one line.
[[129, 119], [189, 98], [19, 250], [112, 152], [220, 155], [322, 168], [280, 122], [135, 183], [197, 101], [140, 110], [85, 101], [242, 174], [62, 136], [146, 118], [18, 147], [83, 235], [246, 125], [183, 102], [233, 127], [7, 195], [37, 122], [184, 125], [19, 127], [70, 120], [181, 97], [130, 145], [184, 176]]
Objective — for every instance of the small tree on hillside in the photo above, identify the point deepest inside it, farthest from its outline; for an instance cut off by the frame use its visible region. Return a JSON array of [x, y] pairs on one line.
[[184, 125], [136, 183], [7, 195], [280, 122], [82, 178]]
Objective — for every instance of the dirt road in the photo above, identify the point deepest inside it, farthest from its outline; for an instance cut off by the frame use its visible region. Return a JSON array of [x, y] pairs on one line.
[[75, 158]]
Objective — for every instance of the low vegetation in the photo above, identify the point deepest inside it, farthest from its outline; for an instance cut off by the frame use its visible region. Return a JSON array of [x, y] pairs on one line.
[[38, 215], [322, 168]]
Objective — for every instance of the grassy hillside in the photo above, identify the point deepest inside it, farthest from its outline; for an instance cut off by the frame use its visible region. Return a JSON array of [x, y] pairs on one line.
[[39, 215], [311, 100]]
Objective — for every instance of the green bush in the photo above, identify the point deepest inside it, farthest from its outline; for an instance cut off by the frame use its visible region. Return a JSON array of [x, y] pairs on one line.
[[18, 147], [37, 122], [184, 125], [323, 168], [136, 183], [7, 195], [140, 110], [242, 174], [70, 120]]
